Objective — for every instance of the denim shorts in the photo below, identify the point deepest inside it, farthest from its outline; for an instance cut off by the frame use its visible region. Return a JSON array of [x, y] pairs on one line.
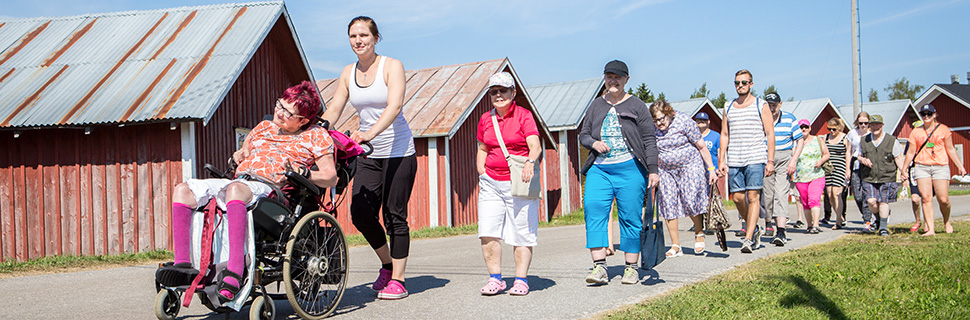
[[750, 177]]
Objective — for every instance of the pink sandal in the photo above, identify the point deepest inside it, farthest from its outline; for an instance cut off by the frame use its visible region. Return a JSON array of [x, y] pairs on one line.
[[519, 288], [493, 287]]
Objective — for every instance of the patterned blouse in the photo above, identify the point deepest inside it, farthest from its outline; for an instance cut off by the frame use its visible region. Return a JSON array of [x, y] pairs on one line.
[[805, 170]]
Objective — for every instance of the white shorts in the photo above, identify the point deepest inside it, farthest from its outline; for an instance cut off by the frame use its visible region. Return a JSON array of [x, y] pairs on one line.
[[500, 215], [922, 171], [207, 189]]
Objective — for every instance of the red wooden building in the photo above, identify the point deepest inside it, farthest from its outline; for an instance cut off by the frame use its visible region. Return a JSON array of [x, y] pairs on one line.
[[103, 114], [951, 102], [817, 111], [442, 106]]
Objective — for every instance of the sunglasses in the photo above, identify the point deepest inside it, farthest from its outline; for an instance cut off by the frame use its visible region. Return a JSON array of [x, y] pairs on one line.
[[863, 123], [498, 91], [805, 127], [742, 82], [926, 114], [286, 113], [833, 129]]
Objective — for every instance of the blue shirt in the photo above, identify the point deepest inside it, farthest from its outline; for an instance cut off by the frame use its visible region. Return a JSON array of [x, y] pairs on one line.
[[786, 131], [713, 141]]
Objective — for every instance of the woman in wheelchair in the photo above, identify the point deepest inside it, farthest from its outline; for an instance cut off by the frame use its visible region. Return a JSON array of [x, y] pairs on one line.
[[291, 140]]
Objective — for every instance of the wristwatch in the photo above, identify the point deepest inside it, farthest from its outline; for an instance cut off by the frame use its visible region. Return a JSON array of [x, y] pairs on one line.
[[530, 160]]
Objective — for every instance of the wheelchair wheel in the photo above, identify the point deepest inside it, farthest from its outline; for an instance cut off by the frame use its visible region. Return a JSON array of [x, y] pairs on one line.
[[167, 304], [263, 308], [315, 267]]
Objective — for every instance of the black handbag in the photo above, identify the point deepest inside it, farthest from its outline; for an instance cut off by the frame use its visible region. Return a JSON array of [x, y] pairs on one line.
[[651, 236]]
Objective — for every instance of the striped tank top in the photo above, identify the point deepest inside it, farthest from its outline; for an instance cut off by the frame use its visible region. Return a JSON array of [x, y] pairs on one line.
[[747, 142]]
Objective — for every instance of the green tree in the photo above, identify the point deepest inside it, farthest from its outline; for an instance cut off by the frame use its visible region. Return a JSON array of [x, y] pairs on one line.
[[901, 89], [719, 101], [661, 96], [873, 95], [643, 93], [770, 88], [701, 92]]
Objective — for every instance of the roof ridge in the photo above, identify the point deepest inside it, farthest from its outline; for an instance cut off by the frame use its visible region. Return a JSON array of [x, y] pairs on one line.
[[146, 11]]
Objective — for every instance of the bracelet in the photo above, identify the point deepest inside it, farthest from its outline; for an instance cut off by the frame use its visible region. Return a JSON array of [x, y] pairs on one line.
[[711, 169], [530, 160]]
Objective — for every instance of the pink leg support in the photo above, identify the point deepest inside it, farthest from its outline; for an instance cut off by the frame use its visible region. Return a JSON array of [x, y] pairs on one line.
[[236, 212], [181, 227]]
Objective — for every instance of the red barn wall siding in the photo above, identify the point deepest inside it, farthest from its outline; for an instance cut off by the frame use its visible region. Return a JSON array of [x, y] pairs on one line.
[[819, 125], [954, 115], [575, 185], [85, 194], [554, 192], [419, 205], [463, 149], [443, 214]]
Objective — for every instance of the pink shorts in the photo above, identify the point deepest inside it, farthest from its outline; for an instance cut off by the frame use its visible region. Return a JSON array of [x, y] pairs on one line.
[[810, 193]]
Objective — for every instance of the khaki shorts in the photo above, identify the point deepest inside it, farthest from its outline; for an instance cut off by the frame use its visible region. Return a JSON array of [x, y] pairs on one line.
[[922, 171]]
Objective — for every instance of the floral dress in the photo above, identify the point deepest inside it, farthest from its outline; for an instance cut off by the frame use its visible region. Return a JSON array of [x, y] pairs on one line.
[[683, 189], [805, 170]]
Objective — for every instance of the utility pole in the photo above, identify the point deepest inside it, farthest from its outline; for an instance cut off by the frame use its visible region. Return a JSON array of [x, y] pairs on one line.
[[856, 76]]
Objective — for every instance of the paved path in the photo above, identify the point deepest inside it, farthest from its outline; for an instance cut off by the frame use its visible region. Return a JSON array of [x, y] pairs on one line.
[[444, 276]]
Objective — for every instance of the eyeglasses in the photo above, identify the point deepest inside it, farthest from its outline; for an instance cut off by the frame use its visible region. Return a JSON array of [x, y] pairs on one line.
[[498, 91], [286, 113], [659, 120], [926, 114], [863, 123], [742, 82]]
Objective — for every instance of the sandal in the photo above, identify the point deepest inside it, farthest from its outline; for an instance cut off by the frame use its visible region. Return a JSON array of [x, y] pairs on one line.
[[519, 288], [699, 246], [493, 287], [223, 285], [915, 227], [173, 274], [674, 253]]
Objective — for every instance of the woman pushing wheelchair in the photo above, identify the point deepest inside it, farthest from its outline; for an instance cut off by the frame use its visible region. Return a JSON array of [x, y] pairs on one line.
[[291, 140]]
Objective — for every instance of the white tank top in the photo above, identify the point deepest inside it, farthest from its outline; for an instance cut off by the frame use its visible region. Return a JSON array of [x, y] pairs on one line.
[[395, 141]]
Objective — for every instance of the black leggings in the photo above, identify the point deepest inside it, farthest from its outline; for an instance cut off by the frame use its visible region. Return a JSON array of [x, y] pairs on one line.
[[384, 184]]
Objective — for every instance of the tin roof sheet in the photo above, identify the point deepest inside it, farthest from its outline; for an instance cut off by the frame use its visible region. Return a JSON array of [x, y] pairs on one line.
[[563, 104], [129, 66], [693, 106], [891, 111], [438, 100]]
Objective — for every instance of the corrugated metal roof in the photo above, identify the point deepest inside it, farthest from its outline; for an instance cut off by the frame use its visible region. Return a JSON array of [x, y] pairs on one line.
[[563, 104], [891, 111], [438, 100], [693, 106], [808, 109], [128, 66]]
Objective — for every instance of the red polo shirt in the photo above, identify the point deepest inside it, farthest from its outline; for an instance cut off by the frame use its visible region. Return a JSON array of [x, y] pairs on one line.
[[516, 126]]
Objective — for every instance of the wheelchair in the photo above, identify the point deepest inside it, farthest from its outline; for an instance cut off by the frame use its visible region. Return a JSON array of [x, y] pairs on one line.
[[298, 245]]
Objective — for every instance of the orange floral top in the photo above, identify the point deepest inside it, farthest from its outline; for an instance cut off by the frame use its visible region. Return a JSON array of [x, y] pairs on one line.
[[269, 150]]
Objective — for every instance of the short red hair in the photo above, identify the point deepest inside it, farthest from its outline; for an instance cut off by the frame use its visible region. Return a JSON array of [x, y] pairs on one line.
[[306, 99]]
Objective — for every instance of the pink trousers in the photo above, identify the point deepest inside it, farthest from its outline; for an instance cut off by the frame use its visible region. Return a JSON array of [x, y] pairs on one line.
[[810, 193]]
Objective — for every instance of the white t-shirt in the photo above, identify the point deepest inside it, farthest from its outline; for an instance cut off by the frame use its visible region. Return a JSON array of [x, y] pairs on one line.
[[855, 139]]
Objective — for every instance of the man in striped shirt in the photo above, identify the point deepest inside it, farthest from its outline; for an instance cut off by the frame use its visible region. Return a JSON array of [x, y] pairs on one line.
[[746, 157], [775, 198]]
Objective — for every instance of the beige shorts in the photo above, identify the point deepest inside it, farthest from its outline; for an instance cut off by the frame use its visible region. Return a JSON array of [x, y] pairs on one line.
[[922, 171], [500, 215]]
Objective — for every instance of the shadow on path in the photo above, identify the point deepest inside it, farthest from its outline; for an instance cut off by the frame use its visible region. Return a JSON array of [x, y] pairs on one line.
[[811, 297]]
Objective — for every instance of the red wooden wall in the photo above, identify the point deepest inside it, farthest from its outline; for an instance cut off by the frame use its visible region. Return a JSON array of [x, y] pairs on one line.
[[103, 193]]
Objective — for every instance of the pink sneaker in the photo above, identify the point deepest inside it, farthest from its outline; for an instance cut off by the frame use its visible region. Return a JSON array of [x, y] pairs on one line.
[[383, 276], [394, 291]]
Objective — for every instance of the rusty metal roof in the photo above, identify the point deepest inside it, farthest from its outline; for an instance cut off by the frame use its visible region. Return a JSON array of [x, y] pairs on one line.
[[564, 104], [438, 100], [134, 66]]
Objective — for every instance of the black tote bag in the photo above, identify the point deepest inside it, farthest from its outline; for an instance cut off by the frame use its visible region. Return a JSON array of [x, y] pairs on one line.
[[651, 236]]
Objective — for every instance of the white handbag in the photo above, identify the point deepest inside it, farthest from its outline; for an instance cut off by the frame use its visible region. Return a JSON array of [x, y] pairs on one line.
[[530, 189]]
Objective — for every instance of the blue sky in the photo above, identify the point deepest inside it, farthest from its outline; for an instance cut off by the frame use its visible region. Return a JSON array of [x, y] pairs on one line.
[[802, 47]]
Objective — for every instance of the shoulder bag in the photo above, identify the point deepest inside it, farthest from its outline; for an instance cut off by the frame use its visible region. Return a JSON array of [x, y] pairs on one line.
[[827, 165], [651, 236], [521, 189]]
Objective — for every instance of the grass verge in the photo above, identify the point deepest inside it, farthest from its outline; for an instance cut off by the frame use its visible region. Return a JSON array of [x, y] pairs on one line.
[[855, 277]]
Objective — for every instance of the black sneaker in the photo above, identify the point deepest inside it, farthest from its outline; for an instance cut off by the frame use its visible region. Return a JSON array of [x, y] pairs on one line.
[[884, 232], [745, 246], [779, 241], [740, 233], [756, 238], [799, 224]]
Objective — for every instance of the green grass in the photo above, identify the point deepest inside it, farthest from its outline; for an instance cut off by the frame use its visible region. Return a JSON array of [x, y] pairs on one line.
[[904, 276], [56, 263]]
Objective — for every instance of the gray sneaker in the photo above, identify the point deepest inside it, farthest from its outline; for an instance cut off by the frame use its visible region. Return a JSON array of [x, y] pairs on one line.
[[756, 238], [745, 246], [779, 241], [597, 276], [630, 275]]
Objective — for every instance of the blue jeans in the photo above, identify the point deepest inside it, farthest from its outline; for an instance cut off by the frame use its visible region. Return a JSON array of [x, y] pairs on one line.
[[627, 183], [750, 177]]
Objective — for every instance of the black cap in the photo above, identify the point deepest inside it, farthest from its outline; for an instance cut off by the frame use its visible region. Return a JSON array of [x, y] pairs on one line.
[[772, 97], [927, 108], [617, 67]]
